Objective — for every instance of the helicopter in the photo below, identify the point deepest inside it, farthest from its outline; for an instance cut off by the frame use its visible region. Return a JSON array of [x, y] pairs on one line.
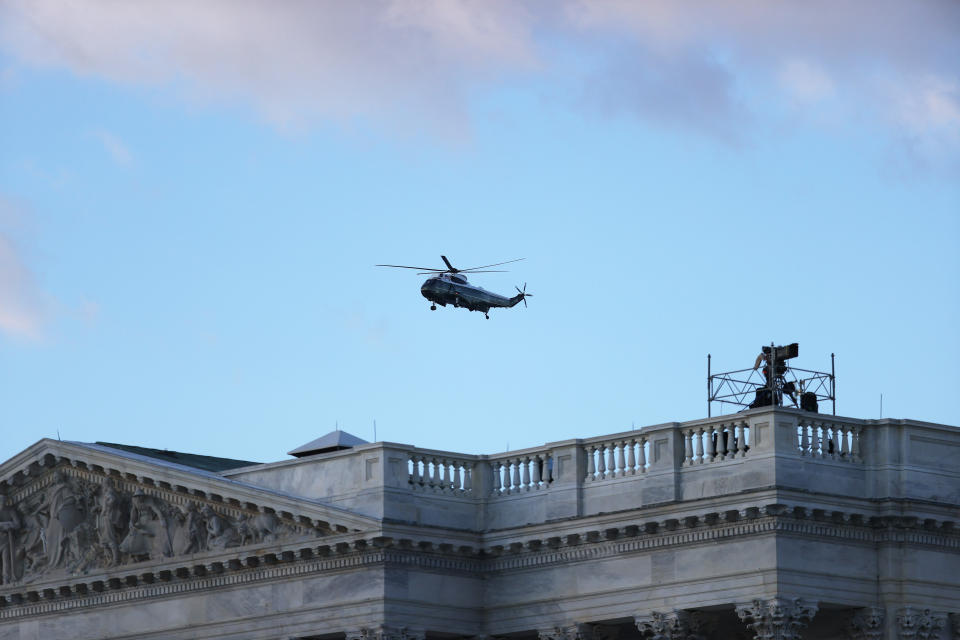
[[450, 286]]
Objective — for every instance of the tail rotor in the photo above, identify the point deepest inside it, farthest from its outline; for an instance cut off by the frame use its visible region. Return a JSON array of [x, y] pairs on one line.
[[523, 293]]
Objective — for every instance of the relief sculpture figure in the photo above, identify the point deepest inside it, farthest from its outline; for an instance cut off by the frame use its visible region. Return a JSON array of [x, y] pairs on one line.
[[220, 532], [10, 525], [110, 522], [148, 536], [262, 527], [64, 508], [192, 536], [32, 546]]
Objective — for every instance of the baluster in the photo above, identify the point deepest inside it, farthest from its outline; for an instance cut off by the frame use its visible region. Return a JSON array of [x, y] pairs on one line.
[[591, 466], [835, 440], [846, 434], [621, 462], [611, 463], [815, 440], [688, 447], [434, 473], [515, 483], [468, 477], [642, 455], [804, 439], [447, 480], [507, 481], [414, 470], [539, 467], [714, 445], [526, 473], [741, 433], [601, 462], [699, 447], [632, 457], [497, 486], [457, 475]]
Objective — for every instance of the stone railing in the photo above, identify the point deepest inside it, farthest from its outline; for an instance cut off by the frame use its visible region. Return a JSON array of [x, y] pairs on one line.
[[615, 458], [829, 439], [706, 457], [454, 474], [716, 442], [520, 473], [440, 472]]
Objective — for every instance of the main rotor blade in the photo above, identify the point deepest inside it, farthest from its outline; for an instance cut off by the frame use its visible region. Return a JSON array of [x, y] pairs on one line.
[[495, 264], [401, 266], [435, 271], [449, 266]]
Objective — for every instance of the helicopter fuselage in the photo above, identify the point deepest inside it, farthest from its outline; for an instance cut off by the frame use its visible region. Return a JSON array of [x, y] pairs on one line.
[[454, 289]]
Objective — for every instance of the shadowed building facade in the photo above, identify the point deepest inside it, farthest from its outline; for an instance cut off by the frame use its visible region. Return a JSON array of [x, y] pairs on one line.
[[767, 524]]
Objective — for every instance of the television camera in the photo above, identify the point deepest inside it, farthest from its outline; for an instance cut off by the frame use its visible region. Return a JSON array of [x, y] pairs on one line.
[[771, 381]]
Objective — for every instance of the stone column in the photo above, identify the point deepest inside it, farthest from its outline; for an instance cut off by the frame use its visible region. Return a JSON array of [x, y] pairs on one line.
[[673, 625], [917, 624], [777, 618], [866, 624]]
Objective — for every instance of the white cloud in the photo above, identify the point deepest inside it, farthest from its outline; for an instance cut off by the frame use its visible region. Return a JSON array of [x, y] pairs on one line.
[[391, 62], [413, 64], [21, 307], [114, 146], [804, 81]]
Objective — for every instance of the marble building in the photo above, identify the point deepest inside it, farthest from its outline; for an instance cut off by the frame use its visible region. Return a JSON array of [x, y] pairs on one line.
[[766, 524]]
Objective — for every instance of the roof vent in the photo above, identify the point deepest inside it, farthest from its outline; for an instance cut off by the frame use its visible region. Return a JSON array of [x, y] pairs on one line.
[[333, 441]]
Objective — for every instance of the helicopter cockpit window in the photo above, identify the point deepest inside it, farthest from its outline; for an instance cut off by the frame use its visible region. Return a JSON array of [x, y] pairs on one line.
[[459, 279]]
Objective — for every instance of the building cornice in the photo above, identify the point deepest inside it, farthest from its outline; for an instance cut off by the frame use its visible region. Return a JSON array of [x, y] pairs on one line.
[[350, 552]]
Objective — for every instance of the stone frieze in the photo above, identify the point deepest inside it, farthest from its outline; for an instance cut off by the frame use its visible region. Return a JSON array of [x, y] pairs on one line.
[[77, 523]]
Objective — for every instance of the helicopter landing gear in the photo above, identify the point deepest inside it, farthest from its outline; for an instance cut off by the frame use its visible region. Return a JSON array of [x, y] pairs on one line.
[[433, 307], [487, 316]]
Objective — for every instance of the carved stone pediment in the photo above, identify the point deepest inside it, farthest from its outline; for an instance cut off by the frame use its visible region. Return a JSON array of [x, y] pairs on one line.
[[65, 516]]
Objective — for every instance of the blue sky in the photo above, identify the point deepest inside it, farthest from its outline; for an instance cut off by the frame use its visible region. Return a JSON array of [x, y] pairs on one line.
[[193, 196]]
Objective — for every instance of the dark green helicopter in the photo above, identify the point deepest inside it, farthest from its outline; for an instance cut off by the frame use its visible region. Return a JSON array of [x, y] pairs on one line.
[[450, 286]]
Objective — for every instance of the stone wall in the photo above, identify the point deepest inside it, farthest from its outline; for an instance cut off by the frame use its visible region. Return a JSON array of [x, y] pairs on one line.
[[766, 524]]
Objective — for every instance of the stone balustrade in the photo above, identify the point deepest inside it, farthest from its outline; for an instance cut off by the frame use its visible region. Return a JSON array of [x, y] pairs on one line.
[[626, 456], [829, 439], [716, 442], [440, 473], [521, 473], [722, 455]]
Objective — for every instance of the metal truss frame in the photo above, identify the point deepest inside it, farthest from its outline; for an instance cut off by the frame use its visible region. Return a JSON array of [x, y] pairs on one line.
[[739, 388]]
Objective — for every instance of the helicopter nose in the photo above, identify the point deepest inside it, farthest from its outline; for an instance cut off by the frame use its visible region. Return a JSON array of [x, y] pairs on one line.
[[428, 288]]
